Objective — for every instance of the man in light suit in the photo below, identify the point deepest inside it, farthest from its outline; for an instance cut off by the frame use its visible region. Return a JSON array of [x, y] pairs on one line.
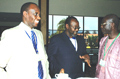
[[66, 50], [18, 58]]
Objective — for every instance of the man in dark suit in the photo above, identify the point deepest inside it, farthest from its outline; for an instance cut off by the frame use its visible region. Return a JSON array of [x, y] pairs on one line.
[[68, 50]]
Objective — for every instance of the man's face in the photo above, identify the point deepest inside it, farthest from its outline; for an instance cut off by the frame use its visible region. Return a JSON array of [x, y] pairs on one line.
[[73, 28], [33, 16], [106, 26]]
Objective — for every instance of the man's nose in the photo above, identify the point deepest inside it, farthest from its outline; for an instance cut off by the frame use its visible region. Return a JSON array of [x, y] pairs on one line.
[[38, 17]]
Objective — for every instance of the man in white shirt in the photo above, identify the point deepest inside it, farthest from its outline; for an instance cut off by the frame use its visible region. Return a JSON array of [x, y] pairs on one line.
[[17, 54]]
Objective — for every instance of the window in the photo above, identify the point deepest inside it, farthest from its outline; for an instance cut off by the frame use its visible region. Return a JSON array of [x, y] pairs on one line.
[[56, 24], [91, 32], [88, 28]]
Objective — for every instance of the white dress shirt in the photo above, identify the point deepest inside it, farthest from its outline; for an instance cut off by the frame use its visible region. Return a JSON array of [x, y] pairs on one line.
[[74, 42]]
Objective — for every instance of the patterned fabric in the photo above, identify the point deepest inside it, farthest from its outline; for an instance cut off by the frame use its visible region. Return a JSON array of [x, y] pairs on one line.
[[112, 65], [34, 41]]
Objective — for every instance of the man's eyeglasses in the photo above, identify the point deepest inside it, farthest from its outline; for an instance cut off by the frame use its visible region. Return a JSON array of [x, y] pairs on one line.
[[75, 28], [103, 24]]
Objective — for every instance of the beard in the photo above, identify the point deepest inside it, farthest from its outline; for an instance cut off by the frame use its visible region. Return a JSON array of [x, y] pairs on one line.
[[74, 34]]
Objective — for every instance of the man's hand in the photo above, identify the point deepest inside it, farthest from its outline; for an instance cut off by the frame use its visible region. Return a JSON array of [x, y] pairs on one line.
[[86, 58], [62, 71]]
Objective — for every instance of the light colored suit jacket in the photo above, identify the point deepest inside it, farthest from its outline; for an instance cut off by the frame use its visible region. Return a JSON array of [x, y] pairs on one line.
[[17, 54]]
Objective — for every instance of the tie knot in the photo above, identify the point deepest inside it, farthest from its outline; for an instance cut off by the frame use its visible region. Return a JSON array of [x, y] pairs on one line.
[[32, 32]]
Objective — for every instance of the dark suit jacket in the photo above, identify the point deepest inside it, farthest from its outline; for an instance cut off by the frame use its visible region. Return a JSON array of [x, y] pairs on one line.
[[62, 54]]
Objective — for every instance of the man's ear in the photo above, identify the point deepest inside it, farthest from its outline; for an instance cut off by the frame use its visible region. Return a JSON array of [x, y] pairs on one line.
[[113, 25], [67, 26], [25, 14]]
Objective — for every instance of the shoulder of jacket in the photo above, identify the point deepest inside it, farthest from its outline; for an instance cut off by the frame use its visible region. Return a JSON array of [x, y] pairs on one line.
[[58, 36], [103, 38], [37, 31], [11, 30]]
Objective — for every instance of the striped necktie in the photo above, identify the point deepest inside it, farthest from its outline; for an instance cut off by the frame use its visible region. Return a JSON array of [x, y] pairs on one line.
[[34, 41]]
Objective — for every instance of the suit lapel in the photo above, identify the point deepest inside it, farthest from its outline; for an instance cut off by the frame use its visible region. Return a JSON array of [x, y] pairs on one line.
[[77, 43], [68, 42]]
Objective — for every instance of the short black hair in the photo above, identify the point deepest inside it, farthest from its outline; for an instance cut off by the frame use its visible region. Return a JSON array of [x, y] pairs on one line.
[[68, 20], [25, 7], [114, 17]]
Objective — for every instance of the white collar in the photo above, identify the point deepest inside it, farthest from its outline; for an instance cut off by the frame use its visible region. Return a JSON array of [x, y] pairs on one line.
[[26, 28]]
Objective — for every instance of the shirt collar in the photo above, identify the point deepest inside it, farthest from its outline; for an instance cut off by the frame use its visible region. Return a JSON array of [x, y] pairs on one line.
[[26, 28]]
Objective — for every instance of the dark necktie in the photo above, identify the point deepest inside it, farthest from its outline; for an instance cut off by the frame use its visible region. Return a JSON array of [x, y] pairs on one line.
[[34, 41]]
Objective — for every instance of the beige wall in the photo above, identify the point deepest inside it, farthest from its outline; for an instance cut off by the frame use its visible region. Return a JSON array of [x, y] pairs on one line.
[[84, 7], [13, 6]]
